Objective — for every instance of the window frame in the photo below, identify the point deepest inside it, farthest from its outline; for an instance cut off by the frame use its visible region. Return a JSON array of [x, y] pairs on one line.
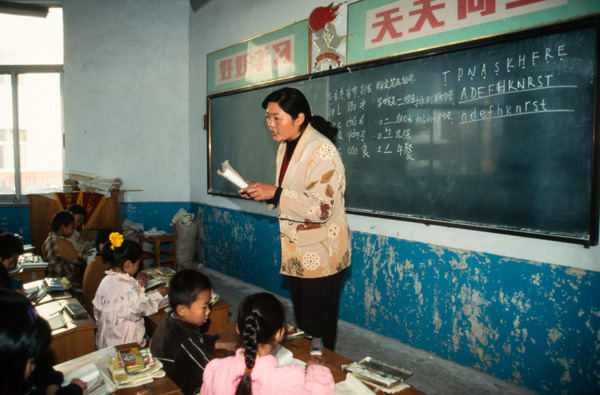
[[14, 71]]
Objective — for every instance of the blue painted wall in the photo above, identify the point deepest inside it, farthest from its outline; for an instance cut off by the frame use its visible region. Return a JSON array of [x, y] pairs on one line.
[[534, 324], [15, 219], [154, 214]]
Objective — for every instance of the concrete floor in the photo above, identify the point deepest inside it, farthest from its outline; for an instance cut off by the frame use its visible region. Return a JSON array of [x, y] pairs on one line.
[[432, 375]]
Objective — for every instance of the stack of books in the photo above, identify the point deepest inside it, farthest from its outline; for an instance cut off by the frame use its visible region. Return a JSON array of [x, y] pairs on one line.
[[134, 366], [89, 182]]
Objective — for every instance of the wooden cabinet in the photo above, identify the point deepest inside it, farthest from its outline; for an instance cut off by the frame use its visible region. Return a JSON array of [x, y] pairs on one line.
[[42, 209]]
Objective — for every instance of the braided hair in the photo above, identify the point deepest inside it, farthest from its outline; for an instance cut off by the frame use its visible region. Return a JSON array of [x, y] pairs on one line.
[[293, 102], [260, 317]]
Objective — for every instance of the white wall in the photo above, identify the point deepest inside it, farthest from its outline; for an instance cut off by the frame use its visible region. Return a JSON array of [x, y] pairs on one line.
[[222, 23], [126, 87]]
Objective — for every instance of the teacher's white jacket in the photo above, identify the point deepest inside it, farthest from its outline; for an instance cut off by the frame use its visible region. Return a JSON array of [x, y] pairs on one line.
[[315, 239]]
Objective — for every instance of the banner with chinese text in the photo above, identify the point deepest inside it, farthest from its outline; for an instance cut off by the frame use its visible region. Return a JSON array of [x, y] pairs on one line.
[[380, 28], [279, 54]]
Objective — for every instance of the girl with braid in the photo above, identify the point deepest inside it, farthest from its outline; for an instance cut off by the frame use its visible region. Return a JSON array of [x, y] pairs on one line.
[[253, 370]]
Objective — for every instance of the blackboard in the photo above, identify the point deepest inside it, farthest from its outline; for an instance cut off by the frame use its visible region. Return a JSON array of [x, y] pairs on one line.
[[497, 136]]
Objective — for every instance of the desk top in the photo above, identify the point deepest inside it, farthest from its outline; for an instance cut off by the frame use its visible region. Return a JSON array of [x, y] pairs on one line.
[[160, 386], [300, 347], [51, 311]]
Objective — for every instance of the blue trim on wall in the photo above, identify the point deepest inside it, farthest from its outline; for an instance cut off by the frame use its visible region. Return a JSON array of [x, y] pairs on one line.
[[534, 324], [154, 214], [15, 219]]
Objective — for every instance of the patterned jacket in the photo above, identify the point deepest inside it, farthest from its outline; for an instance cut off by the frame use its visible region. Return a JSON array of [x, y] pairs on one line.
[[315, 239], [64, 260]]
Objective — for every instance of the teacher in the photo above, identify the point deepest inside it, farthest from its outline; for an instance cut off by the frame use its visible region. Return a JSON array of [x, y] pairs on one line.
[[309, 196]]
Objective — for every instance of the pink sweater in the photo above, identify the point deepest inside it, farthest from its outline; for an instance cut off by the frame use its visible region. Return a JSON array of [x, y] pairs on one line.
[[221, 377]]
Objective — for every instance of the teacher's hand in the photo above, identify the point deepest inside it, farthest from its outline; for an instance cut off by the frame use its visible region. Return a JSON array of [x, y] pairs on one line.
[[258, 191]]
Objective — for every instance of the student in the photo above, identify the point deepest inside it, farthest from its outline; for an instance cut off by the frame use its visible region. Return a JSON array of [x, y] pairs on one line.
[[10, 250], [63, 259], [121, 303], [178, 342], [24, 340], [76, 239], [253, 370], [95, 271]]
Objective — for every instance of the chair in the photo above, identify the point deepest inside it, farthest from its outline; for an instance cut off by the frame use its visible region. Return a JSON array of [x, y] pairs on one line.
[[170, 254]]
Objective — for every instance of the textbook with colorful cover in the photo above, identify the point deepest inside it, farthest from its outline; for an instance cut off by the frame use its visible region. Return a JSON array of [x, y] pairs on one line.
[[132, 359], [57, 283]]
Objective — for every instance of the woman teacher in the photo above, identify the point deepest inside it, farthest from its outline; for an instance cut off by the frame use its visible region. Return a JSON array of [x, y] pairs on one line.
[[309, 196]]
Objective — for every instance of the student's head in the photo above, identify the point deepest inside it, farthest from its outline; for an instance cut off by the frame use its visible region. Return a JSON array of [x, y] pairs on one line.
[[102, 239], [10, 249], [122, 255], [78, 213], [63, 223], [189, 296], [23, 339], [260, 321]]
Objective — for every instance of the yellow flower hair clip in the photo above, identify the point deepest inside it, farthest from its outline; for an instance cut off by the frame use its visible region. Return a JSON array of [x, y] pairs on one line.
[[116, 240]]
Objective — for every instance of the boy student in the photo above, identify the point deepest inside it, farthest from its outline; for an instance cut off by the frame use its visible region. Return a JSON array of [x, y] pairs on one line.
[[178, 342], [76, 239], [62, 257], [10, 250]]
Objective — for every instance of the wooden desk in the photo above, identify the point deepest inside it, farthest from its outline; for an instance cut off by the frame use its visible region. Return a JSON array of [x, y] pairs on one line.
[[77, 338], [29, 275], [219, 316], [160, 386], [301, 350]]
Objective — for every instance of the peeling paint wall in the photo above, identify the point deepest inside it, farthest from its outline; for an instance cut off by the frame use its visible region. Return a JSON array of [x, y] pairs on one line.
[[534, 324]]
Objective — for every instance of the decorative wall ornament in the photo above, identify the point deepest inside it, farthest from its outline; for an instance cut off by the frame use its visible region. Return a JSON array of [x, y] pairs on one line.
[[329, 46]]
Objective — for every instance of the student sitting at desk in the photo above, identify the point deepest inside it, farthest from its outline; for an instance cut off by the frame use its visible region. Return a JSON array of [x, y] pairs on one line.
[[63, 259], [95, 271], [121, 303], [24, 339], [261, 322], [10, 250], [76, 239], [178, 342]]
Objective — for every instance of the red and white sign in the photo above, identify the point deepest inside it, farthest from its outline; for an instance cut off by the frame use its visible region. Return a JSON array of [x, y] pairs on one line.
[[410, 19]]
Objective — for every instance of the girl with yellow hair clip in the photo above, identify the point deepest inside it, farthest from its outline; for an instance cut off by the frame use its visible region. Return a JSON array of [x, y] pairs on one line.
[[121, 302]]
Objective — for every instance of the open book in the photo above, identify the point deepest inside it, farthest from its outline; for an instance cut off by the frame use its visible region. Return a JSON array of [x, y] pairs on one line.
[[88, 373], [233, 176]]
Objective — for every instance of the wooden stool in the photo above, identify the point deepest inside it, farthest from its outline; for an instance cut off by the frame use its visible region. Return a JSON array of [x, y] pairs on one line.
[[157, 240]]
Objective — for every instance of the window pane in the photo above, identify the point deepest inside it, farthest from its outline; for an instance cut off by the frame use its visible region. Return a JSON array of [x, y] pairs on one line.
[[31, 40], [40, 132], [7, 163]]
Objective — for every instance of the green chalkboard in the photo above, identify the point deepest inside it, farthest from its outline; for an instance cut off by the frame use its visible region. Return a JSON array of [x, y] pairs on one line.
[[498, 136]]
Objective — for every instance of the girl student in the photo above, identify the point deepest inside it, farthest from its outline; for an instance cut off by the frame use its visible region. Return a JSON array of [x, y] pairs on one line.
[[121, 301], [253, 370], [24, 341]]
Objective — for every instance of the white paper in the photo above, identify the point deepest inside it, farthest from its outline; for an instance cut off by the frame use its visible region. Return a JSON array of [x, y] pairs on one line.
[[88, 373], [352, 386], [286, 357], [233, 176]]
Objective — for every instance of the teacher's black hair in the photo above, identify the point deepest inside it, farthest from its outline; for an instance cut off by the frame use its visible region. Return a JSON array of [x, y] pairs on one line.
[[293, 102]]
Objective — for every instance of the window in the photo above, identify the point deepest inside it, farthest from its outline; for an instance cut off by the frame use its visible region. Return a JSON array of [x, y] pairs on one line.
[[31, 149]]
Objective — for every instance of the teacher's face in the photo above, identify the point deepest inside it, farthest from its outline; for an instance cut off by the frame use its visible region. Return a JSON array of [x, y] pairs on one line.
[[281, 125]]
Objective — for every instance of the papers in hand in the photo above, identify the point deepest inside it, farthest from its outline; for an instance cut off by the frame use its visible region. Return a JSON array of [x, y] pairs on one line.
[[233, 176]]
